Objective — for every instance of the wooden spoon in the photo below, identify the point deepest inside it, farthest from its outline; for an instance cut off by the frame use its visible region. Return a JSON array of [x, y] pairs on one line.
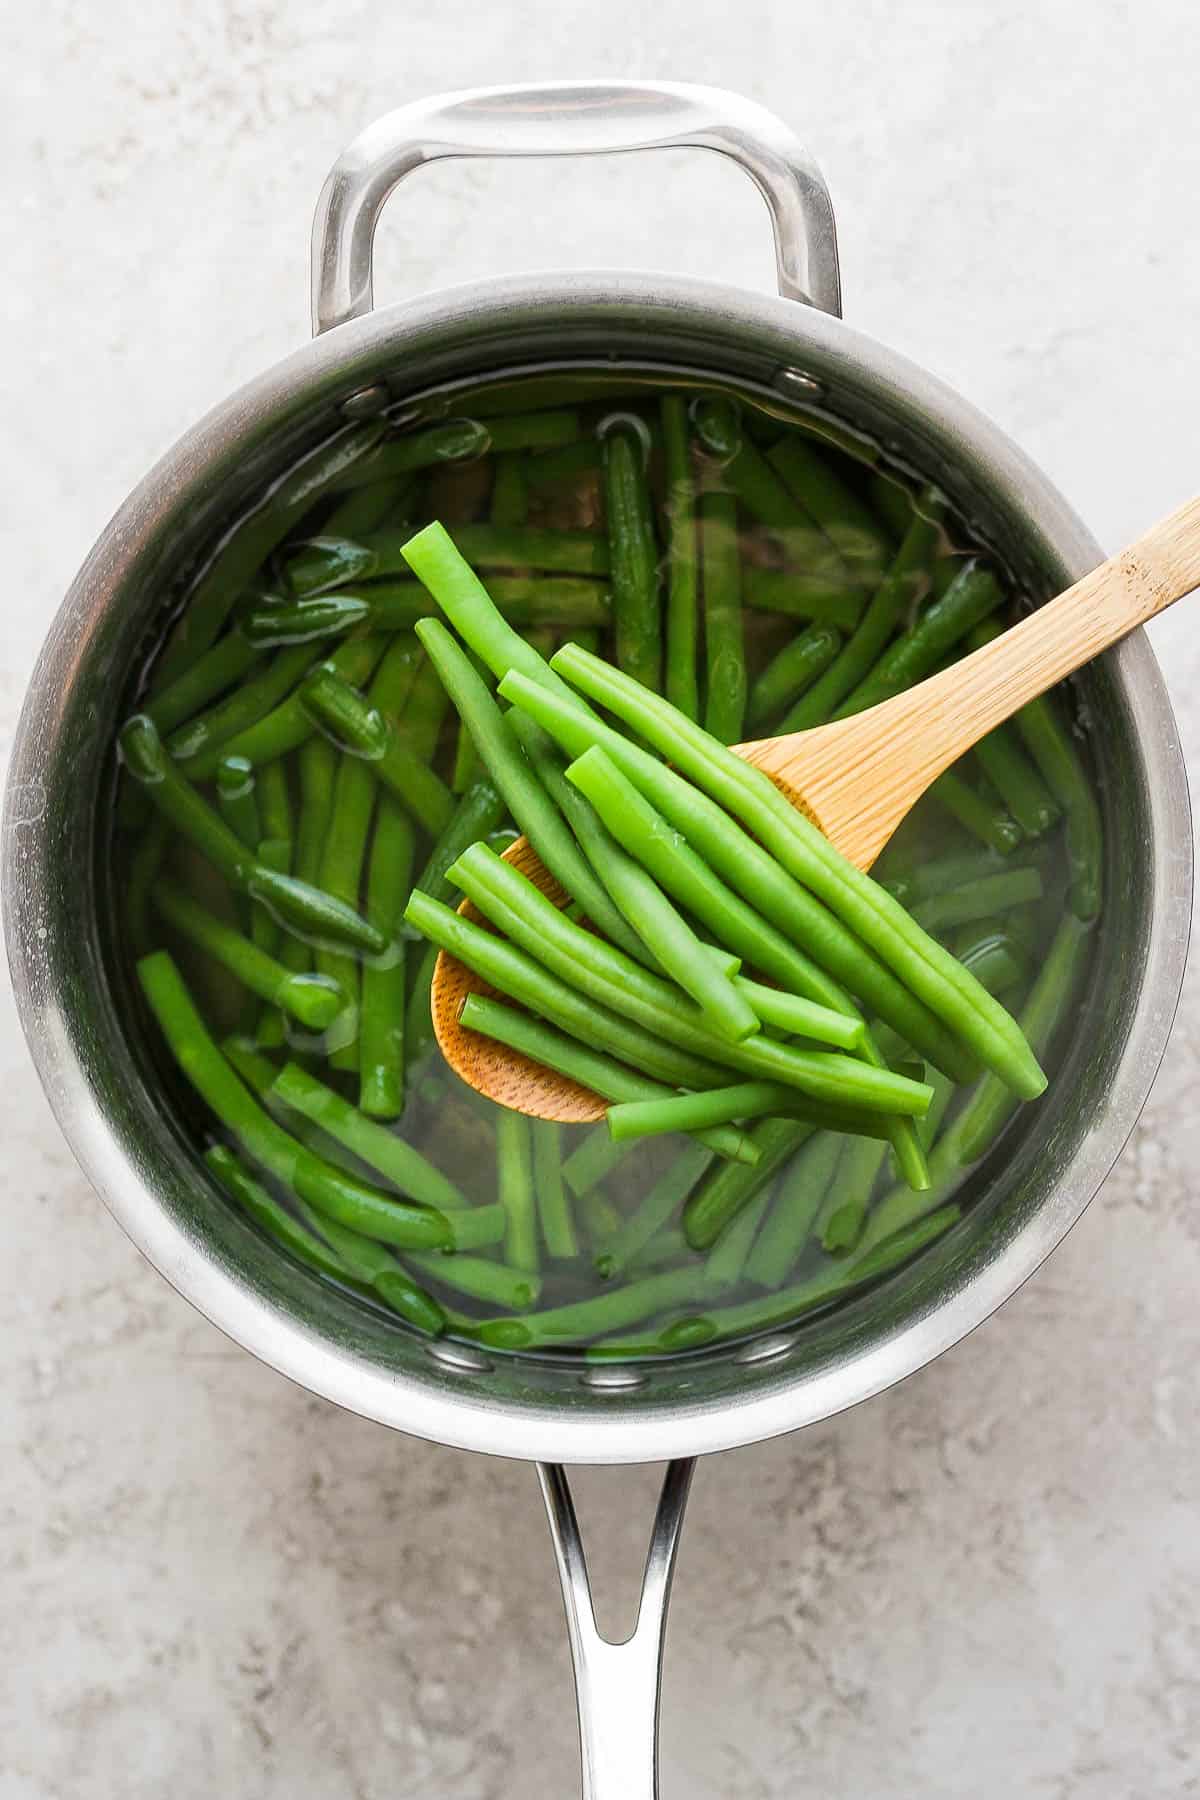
[[859, 777]]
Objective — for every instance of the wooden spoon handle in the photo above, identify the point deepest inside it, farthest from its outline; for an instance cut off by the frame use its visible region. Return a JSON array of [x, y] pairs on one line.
[[950, 712]]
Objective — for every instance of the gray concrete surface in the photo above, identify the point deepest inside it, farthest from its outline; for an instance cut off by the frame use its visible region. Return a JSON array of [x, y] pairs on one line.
[[983, 1584]]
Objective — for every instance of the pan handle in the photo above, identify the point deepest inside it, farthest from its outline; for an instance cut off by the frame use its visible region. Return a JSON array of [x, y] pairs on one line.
[[617, 1686], [571, 118]]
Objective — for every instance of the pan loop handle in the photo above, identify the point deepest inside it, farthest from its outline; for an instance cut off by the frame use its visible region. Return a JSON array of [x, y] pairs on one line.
[[571, 118], [617, 1686]]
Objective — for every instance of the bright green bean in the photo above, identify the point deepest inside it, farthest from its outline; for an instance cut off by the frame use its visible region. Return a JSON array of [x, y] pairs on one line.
[[383, 983], [362, 727], [971, 596], [799, 594], [514, 1171], [726, 1261], [310, 999], [450, 441], [553, 1202], [724, 643], [791, 671], [655, 1209], [592, 1160], [495, 1283], [478, 813], [694, 1112], [610, 1311], [799, 1199], [237, 800], [841, 1225], [984, 819], [375, 1267], [846, 520], [229, 659], [262, 1206], [682, 685], [633, 554], [725, 1190], [978, 899]]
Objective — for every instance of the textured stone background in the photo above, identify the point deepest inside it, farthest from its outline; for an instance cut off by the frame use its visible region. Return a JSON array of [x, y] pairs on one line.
[[983, 1583]]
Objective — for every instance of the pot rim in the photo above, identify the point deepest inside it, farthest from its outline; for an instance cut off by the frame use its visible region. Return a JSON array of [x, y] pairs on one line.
[[464, 1417]]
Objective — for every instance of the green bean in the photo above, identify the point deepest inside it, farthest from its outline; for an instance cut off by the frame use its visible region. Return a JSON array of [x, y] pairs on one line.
[[987, 821], [571, 602], [330, 1190], [373, 1144], [509, 504], [660, 925], [990, 1105], [550, 468], [361, 727], [786, 1305], [610, 1311], [744, 470], [252, 541], [845, 519], [213, 733], [682, 619], [516, 974], [1017, 781], [492, 546], [797, 1017], [726, 1189], [237, 801], [592, 1160], [316, 762], [298, 904], [655, 1209], [971, 596], [726, 1261], [936, 874], [601, 977], [1048, 742], [532, 808], [311, 1000], [365, 508], [495, 1283], [533, 431], [142, 874], [553, 1204], [901, 586], [478, 813], [799, 594], [930, 972], [418, 1018], [894, 503], [601, 1221], [274, 801], [992, 957], [669, 859], [219, 668], [977, 899], [254, 1199], [633, 554], [320, 564], [667, 1248], [724, 643], [514, 1168], [288, 725], [376, 1268], [383, 984], [799, 1199], [841, 1225], [449, 441], [601, 1073], [693, 1112], [792, 671]]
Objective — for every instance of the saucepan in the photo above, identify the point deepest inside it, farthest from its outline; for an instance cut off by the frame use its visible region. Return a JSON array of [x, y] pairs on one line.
[[792, 351]]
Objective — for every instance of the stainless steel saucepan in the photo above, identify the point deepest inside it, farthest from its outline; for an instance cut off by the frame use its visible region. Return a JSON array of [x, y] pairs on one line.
[[795, 352]]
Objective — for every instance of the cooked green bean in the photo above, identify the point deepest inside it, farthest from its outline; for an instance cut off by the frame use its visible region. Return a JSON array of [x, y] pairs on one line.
[[799, 1199], [725, 1263], [532, 808], [978, 899], [553, 1203], [295, 902], [288, 725], [655, 1209], [590, 1162], [509, 504], [846, 520], [514, 1167], [262, 1206], [214, 733], [375, 1267], [799, 594], [220, 668], [450, 441], [1048, 742], [682, 686], [930, 972], [668, 857], [252, 541], [992, 956], [495, 1283], [374, 742], [599, 977], [797, 1017], [724, 643], [384, 982], [971, 596], [402, 1165], [366, 508], [633, 553], [571, 602], [310, 999], [984, 819], [747, 867], [745, 472], [899, 589], [334, 1193], [320, 564], [693, 1112], [479, 812], [610, 1311], [593, 1069], [791, 671], [237, 801], [142, 874], [725, 1190], [1017, 781], [841, 1225]]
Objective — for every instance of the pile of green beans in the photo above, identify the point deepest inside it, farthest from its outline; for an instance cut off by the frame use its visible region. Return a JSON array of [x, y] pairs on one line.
[[357, 708]]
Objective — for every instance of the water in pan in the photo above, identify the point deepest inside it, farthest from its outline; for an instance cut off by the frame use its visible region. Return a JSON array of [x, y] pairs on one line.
[[784, 532]]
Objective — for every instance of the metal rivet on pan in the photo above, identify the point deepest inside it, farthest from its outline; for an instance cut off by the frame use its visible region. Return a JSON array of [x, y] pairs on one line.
[[614, 1380], [765, 1349], [366, 402], [795, 381], [461, 1358]]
